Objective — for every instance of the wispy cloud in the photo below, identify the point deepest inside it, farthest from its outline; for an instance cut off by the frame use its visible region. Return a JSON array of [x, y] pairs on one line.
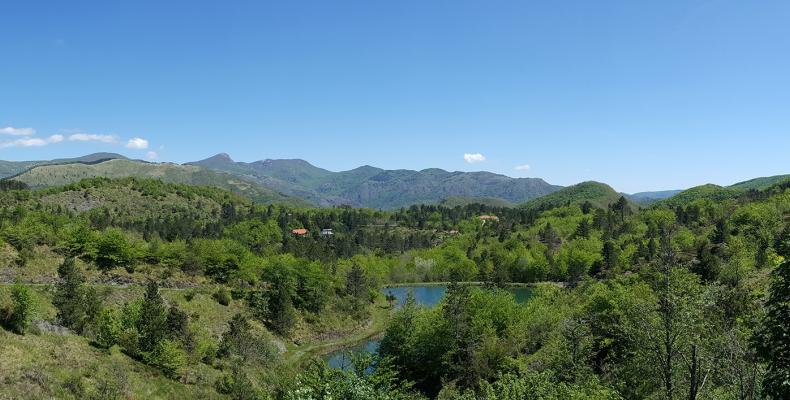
[[28, 138], [522, 168], [152, 155], [32, 142], [472, 158], [137, 143], [92, 137], [10, 130]]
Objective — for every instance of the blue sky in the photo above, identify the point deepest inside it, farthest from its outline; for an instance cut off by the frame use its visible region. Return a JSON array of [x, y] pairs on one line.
[[641, 95]]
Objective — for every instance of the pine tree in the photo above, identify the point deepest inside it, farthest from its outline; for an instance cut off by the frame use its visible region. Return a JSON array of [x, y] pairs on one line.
[[152, 325], [77, 304]]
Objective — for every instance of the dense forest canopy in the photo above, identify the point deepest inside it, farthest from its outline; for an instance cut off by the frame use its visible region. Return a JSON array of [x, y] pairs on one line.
[[225, 297]]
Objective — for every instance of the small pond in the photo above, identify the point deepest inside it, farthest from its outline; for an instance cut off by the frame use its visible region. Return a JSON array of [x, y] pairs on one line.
[[427, 296]]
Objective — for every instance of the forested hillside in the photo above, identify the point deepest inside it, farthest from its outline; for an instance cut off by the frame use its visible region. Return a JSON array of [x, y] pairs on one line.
[[153, 289], [50, 175], [377, 188], [10, 168]]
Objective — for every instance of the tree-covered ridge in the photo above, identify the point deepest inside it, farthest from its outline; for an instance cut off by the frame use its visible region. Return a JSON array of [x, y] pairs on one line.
[[615, 281], [761, 183], [377, 188], [454, 201], [598, 194], [11, 168], [51, 175], [703, 192]]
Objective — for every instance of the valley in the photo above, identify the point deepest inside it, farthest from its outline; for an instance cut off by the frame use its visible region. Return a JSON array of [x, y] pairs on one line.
[[264, 297]]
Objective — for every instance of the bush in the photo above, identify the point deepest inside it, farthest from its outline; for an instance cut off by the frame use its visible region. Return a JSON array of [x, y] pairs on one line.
[[240, 341], [168, 357], [236, 385], [19, 316], [222, 296], [114, 250], [189, 294], [109, 328]]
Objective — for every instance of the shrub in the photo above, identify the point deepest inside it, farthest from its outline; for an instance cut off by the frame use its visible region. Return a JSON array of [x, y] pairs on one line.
[[222, 296], [113, 250], [168, 357], [22, 310], [236, 385], [190, 294], [109, 328]]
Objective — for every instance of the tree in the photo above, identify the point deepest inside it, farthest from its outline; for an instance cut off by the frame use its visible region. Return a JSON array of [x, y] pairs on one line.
[[622, 208], [357, 285], [773, 339], [609, 254], [22, 309], [550, 237], [152, 323], [240, 341], [583, 229], [282, 314], [668, 327], [113, 250], [456, 311], [77, 305]]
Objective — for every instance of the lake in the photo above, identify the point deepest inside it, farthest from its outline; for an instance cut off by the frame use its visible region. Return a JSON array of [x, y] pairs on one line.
[[427, 296]]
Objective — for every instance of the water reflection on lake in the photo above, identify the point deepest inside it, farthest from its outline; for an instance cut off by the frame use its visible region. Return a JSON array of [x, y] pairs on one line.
[[423, 295]]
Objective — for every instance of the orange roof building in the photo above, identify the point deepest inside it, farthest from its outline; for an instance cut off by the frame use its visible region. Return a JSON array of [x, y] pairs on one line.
[[300, 231]]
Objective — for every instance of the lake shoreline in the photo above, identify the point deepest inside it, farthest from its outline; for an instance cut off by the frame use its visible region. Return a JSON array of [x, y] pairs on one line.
[[430, 295], [472, 283]]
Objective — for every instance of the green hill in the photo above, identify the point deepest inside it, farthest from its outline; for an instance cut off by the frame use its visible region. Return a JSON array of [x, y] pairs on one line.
[[760, 183], [599, 194], [10, 168], [707, 192], [645, 198], [63, 174]]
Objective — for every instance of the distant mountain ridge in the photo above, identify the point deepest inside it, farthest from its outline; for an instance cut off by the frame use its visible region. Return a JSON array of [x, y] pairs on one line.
[[651, 197], [297, 182], [373, 187], [59, 174], [11, 168]]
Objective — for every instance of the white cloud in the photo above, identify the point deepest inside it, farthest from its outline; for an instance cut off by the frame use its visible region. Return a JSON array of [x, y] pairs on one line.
[[90, 137], [472, 158], [524, 167], [10, 130], [32, 142], [137, 143], [152, 155], [24, 143]]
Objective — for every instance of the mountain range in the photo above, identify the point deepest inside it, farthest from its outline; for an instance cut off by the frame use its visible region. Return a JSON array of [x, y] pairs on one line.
[[368, 186], [297, 182]]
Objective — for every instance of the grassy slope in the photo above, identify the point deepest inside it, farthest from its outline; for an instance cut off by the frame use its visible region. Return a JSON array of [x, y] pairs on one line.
[[11, 168], [57, 175], [599, 194], [38, 365]]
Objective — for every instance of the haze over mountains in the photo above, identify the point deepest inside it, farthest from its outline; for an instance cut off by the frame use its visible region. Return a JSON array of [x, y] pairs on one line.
[[298, 182]]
